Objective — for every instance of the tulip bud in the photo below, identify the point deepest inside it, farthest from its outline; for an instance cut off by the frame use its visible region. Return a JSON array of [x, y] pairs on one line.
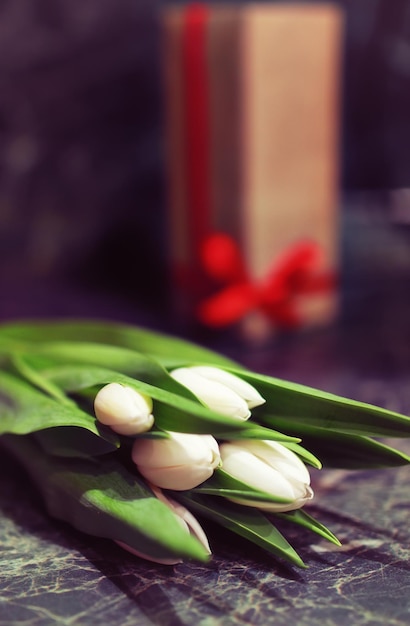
[[246, 391], [186, 520], [219, 390], [181, 461], [125, 410], [270, 467]]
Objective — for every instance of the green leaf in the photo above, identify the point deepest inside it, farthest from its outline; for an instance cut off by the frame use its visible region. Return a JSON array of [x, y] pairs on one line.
[[73, 441], [63, 366], [35, 377], [291, 408], [284, 399], [24, 409], [291, 403], [171, 410], [38, 359], [244, 521], [302, 518], [338, 450], [102, 498], [253, 430], [223, 484], [168, 348], [304, 454]]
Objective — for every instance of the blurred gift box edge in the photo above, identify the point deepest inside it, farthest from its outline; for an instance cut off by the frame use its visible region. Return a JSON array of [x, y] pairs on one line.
[[252, 97]]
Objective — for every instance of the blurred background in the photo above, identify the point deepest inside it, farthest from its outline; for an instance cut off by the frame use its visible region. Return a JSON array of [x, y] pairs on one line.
[[83, 199]]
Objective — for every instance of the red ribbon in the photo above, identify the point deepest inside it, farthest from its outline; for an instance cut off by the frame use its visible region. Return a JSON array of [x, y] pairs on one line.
[[293, 274]]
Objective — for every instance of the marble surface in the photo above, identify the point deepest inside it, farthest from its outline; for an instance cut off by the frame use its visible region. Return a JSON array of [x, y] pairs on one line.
[[52, 574]]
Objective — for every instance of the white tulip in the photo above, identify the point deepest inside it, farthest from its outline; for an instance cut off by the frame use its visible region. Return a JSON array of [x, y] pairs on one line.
[[246, 391], [181, 461], [219, 390], [125, 410], [185, 518], [270, 467]]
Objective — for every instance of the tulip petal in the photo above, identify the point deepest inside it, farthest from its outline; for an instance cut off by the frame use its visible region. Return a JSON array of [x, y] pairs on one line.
[[214, 394], [147, 557], [177, 478], [181, 461], [255, 472], [192, 524], [270, 468], [115, 403], [246, 391], [177, 449], [280, 458], [125, 410], [224, 484], [135, 426]]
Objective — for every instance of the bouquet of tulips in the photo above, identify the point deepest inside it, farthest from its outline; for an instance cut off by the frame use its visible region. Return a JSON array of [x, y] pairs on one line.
[[128, 434]]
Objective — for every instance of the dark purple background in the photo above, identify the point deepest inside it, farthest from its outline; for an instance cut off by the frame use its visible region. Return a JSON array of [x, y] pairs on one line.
[[82, 217]]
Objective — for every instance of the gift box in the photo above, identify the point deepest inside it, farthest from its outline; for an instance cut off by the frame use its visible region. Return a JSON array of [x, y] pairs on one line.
[[252, 104]]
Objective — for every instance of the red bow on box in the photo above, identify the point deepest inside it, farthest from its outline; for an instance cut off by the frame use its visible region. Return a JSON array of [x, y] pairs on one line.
[[292, 275]]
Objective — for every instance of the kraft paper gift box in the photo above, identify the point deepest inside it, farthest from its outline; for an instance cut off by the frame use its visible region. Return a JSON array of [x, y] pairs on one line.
[[252, 103]]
